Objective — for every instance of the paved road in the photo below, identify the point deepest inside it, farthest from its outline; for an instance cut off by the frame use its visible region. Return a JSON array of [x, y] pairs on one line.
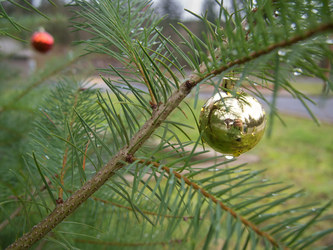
[[323, 109], [286, 104]]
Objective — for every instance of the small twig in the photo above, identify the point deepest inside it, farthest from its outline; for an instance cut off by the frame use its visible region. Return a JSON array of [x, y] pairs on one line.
[[48, 117], [64, 161], [84, 157], [62, 172], [212, 198], [153, 101], [256, 54]]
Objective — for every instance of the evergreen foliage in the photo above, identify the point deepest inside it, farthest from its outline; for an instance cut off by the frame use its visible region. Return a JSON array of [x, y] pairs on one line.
[[108, 169]]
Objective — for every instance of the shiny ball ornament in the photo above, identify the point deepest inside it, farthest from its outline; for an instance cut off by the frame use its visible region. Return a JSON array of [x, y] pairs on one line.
[[231, 124], [42, 41]]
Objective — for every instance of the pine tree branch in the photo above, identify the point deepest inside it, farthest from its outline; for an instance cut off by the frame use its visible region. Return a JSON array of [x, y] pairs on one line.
[[153, 100], [267, 50], [213, 198], [63, 210], [64, 160]]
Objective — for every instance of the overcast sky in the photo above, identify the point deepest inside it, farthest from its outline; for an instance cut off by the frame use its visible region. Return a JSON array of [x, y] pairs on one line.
[[193, 5]]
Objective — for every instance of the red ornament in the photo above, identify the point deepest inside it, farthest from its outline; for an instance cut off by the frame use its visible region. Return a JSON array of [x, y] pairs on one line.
[[42, 41]]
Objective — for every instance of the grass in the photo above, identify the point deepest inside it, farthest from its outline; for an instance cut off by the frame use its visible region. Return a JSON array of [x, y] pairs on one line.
[[308, 87], [311, 88], [300, 152]]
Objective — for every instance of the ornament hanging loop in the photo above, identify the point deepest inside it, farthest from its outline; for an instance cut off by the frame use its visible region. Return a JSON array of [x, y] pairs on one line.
[[229, 84]]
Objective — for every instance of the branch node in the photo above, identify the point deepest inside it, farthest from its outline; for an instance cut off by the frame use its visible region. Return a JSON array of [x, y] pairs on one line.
[[189, 84], [129, 158], [153, 105], [59, 201]]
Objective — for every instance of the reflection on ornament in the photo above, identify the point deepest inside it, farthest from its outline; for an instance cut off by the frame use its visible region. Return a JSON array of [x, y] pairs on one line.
[[231, 124], [42, 41]]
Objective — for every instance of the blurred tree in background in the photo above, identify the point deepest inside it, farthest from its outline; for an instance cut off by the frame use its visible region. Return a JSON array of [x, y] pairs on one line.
[[171, 8], [209, 6]]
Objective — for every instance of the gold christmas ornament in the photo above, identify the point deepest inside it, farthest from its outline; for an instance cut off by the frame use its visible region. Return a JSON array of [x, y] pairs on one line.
[[232, 124]]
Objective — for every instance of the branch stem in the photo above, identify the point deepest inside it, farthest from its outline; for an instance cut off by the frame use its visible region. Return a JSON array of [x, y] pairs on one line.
[[211, 197], [64, 160]]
